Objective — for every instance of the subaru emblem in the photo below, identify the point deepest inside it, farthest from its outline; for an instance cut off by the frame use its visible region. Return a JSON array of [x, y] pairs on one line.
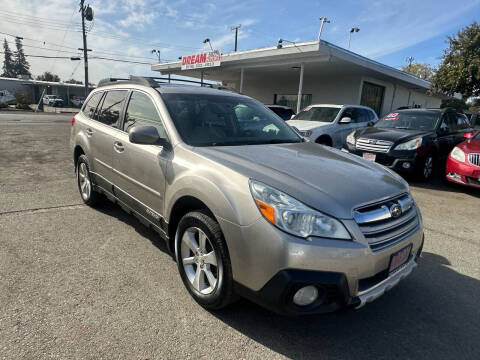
[[395, 210]]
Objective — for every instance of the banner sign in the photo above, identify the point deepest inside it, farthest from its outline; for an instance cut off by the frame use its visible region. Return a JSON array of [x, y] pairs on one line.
[[201, 60]]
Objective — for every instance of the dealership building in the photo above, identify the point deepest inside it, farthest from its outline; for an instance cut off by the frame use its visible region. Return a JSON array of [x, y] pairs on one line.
[[314, 72]]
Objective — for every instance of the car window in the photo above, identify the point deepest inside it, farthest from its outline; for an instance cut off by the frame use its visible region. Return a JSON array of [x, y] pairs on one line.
[[141, 111], [451, 120], [112, 107], [362, 115], [462, 122], [91, 105], [352, 113], [219, 120], [285, 114], [321, 114], [371, 115]]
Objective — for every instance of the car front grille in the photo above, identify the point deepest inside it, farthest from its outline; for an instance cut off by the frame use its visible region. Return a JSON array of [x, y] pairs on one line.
[[384, 227], [474, 159], [373, 145]]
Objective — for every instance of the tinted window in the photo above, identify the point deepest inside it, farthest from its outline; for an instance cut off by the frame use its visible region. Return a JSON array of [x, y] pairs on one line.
[[216, 120], [91, 105], [142, 111], [285, 114], [412, 120], [462, 122], [321, 114], [112, 107]]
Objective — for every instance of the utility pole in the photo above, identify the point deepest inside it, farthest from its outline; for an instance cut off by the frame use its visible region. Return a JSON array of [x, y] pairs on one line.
[[87, 13], [236, 34], [324, 20], [410, 60]]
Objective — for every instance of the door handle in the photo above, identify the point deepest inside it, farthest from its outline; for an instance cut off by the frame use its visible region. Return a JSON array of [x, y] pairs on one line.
[[118, 146], [89, 132]]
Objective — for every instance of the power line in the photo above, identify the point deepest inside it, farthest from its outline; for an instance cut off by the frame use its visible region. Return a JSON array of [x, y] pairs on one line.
[[37, 18], [37, 25]]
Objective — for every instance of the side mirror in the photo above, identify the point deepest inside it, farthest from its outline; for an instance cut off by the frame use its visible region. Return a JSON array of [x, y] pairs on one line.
[[146, 135], [291, 117], [346, 120], [468, 135]]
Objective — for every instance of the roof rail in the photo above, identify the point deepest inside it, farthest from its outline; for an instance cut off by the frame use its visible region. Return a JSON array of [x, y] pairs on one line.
[[156, 81], [139, 80]]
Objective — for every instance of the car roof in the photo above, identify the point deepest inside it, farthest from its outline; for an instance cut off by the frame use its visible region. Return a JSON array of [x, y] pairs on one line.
[[279, 106], [339, 106]]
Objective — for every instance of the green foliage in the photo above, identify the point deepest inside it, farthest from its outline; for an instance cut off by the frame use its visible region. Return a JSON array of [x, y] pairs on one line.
[[22, 100], [8, 64], [21, 65], [3, 105], [48, 76], [73, 81], [460, 68], [423, 71], [458, 104]]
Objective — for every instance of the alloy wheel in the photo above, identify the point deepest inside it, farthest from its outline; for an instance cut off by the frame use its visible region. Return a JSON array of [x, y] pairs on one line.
[[84, 181], [428, 168], [199, 260]]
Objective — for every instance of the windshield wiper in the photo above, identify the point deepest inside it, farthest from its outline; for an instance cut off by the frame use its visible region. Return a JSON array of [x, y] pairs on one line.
[[402, 127]]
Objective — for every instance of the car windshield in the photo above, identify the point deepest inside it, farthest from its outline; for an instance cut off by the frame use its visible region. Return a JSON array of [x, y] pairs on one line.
[[320, 114], [410, 120], [216, 120]]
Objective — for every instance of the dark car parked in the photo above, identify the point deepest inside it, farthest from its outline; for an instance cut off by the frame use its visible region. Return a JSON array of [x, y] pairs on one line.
[[413, 140]]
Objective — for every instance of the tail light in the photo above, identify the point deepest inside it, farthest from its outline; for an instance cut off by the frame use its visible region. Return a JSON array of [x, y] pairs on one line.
[[73, 121]]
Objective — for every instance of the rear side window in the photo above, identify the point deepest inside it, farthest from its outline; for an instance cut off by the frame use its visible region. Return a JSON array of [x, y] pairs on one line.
[[91, 105], [112, 107], [142, 111], [462, 122]]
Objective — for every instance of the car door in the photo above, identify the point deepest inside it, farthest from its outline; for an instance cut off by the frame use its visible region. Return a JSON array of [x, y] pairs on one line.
[[446, 133], [343, 129], [139, 170], [101, 132]]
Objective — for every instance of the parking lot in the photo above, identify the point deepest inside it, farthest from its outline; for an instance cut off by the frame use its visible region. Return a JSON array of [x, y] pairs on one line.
[[90, 283]]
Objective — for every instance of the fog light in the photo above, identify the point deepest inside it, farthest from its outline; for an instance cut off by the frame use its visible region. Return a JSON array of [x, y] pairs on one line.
[[406, 165], [455, 175], [305, 296]]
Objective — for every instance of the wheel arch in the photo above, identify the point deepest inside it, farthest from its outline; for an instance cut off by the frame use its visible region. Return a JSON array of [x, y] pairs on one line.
[[324, 138]]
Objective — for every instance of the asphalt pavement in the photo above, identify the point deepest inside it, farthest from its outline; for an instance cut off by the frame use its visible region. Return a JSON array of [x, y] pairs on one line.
[[83, 283]]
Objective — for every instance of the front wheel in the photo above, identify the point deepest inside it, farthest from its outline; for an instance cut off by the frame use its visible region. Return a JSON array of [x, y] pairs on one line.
[[426, 168], [203, 260], [84, 182]]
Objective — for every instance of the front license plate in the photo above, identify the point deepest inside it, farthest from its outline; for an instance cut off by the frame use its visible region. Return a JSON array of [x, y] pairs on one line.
[[399, 258], [369, 156]]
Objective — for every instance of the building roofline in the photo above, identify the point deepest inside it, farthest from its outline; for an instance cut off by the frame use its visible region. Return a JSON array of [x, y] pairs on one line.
[[306, 48]]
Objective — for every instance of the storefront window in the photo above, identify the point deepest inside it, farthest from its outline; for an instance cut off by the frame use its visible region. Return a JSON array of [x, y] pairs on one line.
[[372, 96], [291, 100]]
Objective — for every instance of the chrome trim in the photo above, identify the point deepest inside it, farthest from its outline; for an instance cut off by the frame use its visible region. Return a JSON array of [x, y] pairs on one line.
[[474, 159], [373, 145], [379, 289], [381, 213]]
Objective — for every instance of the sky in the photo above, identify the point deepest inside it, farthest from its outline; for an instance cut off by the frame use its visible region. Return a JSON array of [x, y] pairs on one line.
[[127, 30]]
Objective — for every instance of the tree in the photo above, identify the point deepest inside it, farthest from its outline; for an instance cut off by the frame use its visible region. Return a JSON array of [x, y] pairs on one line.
[[73, 81], [459, 71], [423, 71], [48, 76], [22, 67], [457, 104], [8, 65]]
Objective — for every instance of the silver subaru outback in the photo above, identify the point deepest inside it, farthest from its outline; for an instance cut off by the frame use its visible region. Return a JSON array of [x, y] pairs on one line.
[[246, 205]]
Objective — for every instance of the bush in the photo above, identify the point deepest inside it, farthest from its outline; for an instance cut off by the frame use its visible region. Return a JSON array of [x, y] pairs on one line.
[[22, 100], [3, 105]]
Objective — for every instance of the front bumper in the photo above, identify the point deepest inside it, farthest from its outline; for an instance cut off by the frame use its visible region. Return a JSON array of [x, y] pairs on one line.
[[269, 265], [462, 173], [395, 159]]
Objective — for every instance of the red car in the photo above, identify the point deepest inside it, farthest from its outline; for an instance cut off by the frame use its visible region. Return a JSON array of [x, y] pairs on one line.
[[463, 163]]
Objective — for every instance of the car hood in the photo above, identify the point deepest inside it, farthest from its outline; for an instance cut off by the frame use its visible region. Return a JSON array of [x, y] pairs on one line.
[[324, 178], [388, 134], [470, 146], [307, 125]]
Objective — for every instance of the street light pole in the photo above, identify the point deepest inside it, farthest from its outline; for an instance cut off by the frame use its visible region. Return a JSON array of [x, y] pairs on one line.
[[352, 30], [324, 20], [236, 34], [155, 51]]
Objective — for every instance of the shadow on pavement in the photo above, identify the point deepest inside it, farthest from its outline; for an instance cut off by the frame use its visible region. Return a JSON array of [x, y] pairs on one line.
[[439, 183], [432, 314]]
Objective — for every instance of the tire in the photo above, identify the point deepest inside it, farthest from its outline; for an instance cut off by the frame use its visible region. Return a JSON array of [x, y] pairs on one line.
[[199, 246], [324, 140], [84, 183], [426, 168]]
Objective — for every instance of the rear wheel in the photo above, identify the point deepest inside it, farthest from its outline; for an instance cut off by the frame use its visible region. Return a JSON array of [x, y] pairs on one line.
[[84, 182], [324, 140], [203, 260]]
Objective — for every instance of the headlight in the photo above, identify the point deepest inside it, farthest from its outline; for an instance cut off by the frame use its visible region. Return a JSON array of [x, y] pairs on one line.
[[306, 133], [294, 217], [351, 138], [410, 145], [458, 154]]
